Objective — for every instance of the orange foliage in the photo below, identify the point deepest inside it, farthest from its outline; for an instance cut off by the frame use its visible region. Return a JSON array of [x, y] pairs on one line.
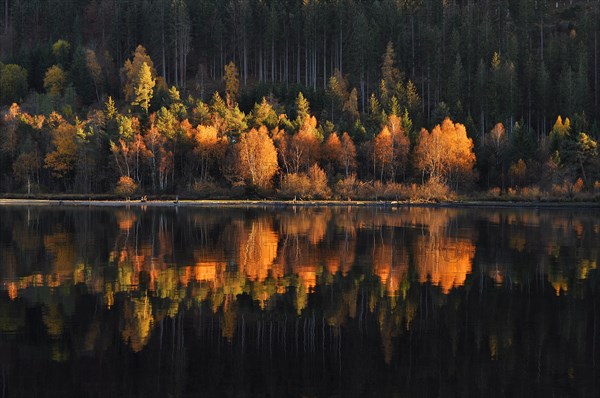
[[209, 148], [331, 153], [62, 160], [446, 152], [12, 291], [348, 155], [303, 150], [125, 219], [382, 152], [390, 150], [125, 187], [390, 267]]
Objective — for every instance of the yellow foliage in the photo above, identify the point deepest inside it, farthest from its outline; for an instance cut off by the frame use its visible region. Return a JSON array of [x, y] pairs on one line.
[[257, 157], [55, 80]]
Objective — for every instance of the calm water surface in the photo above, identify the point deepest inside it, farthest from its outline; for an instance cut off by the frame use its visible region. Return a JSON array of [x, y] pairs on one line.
[[325, 302]]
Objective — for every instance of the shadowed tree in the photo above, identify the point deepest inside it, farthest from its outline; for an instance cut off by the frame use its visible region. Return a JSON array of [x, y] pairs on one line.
[[13, 83], [497, 148], [55, 81], [61, 161], [26, 166]]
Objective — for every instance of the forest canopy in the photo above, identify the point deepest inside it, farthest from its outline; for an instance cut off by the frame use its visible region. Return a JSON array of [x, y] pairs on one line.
[[315, 99]]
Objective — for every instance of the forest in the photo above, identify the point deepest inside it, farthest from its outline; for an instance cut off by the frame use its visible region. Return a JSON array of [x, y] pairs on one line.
[[345, 99]]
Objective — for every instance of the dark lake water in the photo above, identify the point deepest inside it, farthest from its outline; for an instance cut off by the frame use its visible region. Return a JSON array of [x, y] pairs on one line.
[[318, 302]]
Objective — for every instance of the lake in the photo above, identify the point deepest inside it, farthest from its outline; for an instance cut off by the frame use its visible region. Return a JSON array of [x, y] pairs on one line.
[[305, 302]]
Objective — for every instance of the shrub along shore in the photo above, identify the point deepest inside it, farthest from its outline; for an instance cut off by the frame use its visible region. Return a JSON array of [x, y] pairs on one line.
[[70, 200]]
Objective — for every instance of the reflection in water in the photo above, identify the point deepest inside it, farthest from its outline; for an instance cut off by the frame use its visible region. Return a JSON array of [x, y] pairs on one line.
[[221, 300]]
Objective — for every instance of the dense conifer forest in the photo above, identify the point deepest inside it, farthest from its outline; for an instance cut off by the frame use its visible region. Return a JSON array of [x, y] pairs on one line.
[[390, 99]]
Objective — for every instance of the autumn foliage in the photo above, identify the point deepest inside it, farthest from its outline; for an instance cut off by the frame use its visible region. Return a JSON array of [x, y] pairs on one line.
[[446, 153], [166, 142], [257, 157]]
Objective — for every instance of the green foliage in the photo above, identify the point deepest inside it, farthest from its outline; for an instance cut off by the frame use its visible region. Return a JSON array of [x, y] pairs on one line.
[[82, 78], [61, 51], [407, 126], [13, 83], [390, 73], [263, 114], [302, 107]]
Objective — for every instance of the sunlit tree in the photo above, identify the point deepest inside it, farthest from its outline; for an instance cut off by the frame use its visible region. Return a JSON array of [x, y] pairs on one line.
[[209, 149], [257, 157], [131, 72], [446, 153], [303, 149], [144, 88]]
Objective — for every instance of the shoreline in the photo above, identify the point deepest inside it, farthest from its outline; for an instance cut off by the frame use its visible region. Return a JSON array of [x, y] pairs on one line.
[[299, 203]]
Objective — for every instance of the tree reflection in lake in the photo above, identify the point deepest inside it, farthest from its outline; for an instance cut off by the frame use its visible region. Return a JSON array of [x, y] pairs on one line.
[[301, 302]]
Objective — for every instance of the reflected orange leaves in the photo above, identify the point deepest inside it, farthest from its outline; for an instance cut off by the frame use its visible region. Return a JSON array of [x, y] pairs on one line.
[[391, 266], [125, 219], [149, 272], [445, 262], [12, 290], [258, 250]]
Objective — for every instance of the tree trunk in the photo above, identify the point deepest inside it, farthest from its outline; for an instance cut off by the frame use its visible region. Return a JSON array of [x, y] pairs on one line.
[[324, 59], [362, 89], [412, 40], [163, 49], [176, 69], [596, 68], [273, 59], [542, 37], [306, 63], [245, 59], [298, 69], [287, 58], [5, 16], [583, 171], [341, 48]]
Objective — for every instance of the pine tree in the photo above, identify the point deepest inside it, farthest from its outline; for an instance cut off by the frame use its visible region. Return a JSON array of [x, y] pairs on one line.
[[389, 72], [232, 84], [302, 107]]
